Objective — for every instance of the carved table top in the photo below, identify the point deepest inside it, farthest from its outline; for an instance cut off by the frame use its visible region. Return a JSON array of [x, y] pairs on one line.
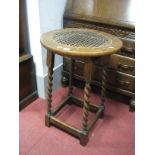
[[75, 42]]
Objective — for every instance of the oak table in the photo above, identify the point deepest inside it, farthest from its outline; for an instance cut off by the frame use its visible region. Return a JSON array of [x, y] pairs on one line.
[[86, 45]]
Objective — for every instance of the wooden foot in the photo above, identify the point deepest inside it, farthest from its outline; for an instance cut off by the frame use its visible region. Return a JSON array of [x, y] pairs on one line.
[[102, 113], [47, 120], [84, 139], [64, 81], [132, 105]]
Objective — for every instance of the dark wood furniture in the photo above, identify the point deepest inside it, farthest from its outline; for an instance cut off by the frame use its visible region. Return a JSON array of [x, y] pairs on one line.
[[80, 45], [117, 18], [27, 82]]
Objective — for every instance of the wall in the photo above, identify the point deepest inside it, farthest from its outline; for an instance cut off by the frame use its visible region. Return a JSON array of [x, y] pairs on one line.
[[51, 17], [43, 16]]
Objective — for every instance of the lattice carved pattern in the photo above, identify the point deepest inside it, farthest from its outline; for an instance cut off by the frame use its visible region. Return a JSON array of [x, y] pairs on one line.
[[115, 31]]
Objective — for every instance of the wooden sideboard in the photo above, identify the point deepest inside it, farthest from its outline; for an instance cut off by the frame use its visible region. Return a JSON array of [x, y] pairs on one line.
[[114, 17]]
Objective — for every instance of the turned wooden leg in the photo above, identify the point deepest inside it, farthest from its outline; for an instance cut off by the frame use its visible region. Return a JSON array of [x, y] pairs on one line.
[[84, 137], [50, 64], [87, 75], [70, 93], [103, 90], [86, 106]]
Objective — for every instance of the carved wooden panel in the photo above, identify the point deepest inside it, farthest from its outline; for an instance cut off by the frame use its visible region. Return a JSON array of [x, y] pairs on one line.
[[126, 35], [119, 32]]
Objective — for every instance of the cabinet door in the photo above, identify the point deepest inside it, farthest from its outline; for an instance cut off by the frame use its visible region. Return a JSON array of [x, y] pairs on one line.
[[27, 81]]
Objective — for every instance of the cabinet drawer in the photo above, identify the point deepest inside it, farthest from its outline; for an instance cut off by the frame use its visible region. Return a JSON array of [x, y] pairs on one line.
[[121, 80], [122, 64], [115, 79]]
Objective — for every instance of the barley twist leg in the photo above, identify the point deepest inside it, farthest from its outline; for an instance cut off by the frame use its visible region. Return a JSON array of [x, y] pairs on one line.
[[103, 90], [50, 64], [87, 74], [86, 106], [49, 93]]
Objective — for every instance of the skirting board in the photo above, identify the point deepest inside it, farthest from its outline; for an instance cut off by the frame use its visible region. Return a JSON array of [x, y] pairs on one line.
[[27, 100], [42, 82]]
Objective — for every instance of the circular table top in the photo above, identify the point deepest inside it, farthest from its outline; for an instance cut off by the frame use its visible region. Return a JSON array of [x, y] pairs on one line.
[[80, 42]]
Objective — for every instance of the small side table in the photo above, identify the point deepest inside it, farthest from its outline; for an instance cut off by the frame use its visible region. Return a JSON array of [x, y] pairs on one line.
[[88, 45]]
